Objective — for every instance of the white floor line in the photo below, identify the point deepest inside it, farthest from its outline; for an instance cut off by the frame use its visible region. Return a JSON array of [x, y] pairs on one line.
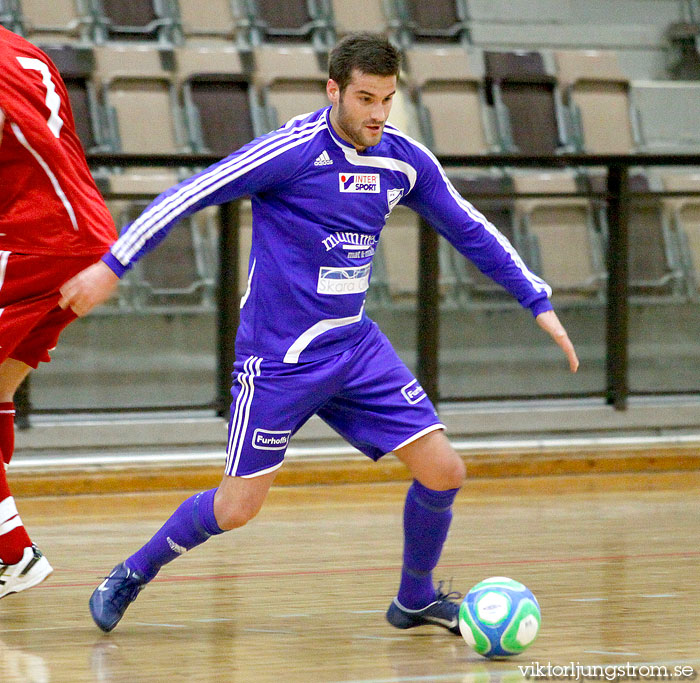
[[200, 457]]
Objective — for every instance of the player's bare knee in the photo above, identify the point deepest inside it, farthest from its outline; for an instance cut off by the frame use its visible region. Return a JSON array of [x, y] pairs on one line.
[[451, 471], [235, 515], [457, 473], [450, 474], [235, 512]]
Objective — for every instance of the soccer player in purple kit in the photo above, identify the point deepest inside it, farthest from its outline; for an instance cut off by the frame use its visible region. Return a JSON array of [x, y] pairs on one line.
[[321, 188]]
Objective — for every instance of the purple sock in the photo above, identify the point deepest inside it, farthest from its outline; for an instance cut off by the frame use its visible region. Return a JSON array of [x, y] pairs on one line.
[[189, 526], [426, 519]]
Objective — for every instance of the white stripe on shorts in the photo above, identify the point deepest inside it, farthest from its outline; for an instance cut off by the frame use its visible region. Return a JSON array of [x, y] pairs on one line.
[[239, 421], [261, 472], [417, 436], [4, 256]]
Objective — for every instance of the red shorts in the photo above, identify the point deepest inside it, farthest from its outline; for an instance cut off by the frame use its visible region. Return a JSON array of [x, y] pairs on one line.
[[30, 317]]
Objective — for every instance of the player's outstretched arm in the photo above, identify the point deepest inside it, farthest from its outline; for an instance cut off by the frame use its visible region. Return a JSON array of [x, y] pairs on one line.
[[549, 322], [89, 288]]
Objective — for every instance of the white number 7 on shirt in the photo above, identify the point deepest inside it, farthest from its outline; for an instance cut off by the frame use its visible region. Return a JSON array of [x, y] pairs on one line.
[[53, 101]]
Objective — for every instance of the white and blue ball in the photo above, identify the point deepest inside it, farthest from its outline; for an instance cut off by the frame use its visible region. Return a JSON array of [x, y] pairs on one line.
[[499, 617]]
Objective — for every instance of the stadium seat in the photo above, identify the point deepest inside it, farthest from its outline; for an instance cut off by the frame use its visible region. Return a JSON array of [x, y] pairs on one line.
[[450, 100], [245, 232], [179, 272], [596, 93], [361, 15], [685, 220], [290, 80], [654, 267], [396, 265], [628, 25], [472, 284], [683, 37], [150, 20], [437, 21], [10, 16], [76, 66], [271, 21], [59, 21], [560, 235], [525, 102], [139, 97], [399, 255], [404, 113], [207, 21], [220, 112], [668, 114]]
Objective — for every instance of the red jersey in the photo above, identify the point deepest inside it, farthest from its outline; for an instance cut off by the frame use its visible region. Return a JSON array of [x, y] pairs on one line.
[[49, 203]]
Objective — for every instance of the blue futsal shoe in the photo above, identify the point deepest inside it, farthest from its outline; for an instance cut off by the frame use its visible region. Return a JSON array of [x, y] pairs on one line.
[[443, 611], [111, 598]]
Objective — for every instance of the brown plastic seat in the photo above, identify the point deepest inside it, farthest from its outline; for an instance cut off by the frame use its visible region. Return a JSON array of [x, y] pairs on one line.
[[525, 102]]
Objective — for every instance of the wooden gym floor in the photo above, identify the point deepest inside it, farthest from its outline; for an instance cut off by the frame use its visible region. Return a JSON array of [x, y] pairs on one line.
[[299, 594]]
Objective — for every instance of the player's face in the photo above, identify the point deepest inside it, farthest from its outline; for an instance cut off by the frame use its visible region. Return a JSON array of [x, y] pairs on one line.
[[359, 113]]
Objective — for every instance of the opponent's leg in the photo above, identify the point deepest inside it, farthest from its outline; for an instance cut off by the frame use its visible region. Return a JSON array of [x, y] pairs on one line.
[[12, 374], [438, 474], [235, 502], [21, 564]]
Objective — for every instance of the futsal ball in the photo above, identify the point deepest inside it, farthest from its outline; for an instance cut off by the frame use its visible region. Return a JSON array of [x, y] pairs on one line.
[[499, 617]]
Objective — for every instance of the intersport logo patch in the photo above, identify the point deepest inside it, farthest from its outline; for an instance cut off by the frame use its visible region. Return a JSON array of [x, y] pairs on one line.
[[359, 182]]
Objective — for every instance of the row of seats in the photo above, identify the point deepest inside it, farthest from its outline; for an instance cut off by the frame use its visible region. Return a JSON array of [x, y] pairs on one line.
[[245, 22], [454, 100], [517, 102], [214, 100], [320, 22], [563, 239]]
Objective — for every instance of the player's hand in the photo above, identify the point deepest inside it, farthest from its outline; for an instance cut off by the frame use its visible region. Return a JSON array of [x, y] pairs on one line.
[[549, 322], [89, 288]]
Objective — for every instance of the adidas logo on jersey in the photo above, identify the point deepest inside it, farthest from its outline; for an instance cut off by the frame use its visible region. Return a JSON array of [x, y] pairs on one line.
[[323, 159]]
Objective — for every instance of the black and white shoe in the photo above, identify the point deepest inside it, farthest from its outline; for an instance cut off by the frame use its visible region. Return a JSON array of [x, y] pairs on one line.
[[32, 569], [443, 611]]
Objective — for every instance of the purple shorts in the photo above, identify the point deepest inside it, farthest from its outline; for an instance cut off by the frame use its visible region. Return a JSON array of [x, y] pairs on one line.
[[365, 393]]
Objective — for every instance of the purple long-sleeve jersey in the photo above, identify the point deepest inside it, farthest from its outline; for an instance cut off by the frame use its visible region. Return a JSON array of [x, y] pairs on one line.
[[319, 207]]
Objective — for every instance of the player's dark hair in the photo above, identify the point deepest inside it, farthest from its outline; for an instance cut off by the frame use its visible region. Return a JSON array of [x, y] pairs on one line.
[[369, 53]]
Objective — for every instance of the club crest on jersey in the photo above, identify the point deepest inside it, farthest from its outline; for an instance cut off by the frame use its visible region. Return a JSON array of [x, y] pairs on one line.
[[267, 440], [393, 197], [359, 182], [413, 392]]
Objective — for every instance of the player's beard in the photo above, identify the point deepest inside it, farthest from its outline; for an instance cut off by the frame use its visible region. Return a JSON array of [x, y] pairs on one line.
[[356, 132]]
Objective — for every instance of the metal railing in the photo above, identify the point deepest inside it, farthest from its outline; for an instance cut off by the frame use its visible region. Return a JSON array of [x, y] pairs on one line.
[[617, 195]]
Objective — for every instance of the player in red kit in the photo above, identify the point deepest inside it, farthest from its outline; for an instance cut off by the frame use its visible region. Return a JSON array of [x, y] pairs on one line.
[[53, 223]]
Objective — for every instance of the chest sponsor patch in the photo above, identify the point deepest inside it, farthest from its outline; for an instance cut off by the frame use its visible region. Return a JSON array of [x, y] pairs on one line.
[[267, 440], [359, 182], [343, 280]]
